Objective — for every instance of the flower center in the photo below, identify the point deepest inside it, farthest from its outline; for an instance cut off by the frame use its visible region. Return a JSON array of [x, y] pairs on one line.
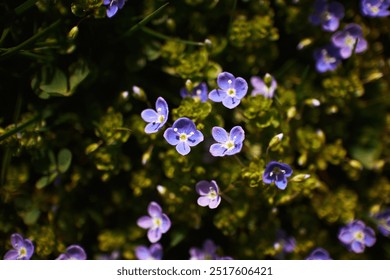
[[359, 236], [160, 119], [157, 222], [183, 136], [325, 16], [212, 194], [231, 92], [327, 58], [22, 252], [350, 41], [198, 92], [229, 145], [277, 171]]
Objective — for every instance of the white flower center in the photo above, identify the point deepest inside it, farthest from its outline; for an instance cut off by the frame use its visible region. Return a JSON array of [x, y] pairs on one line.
[[183, 136], [157, 222], [231, 92], [22, 252], [350, 41], [359, 235], [212, 194], [327, 58]]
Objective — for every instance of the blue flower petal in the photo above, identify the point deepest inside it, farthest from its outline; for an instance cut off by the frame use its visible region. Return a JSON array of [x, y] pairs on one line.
[[217, 150], [11, 255], [76, 252], [149, 115], [29, 248], [162, 108], [237, 134], [154, 235], [145, 222], [184, 125], [111, 10], [142, 253], [219, 134], [152, 127], [217, 95], [241, 87], [183, 148], [195, 139], [231, 102], [345, 236], [369, 237], [237, 148], [166, 223], [281, 181], [357, 247], [202, 187], [154, 210], [171, 136], [215, 202], [17, 240], [203, 201], [225, 80], [156, 251]]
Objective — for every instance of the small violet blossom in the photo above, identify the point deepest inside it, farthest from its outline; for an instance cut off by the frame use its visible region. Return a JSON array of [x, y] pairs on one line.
[[228, 143], [346, 40], [231, 90], [157, 222], [319, 254], [207, 252], [328, 15], [265, 87], [23, 248], [200, 92], [356, 236], [73, 252], [327, 58], [375, 8], [113, 6], [284, 243], [209, 194], [156, 118], [277, 172], [154, 252], [183, 134], [383, 220]]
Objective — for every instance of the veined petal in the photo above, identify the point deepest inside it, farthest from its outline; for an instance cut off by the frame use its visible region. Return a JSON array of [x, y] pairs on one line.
[[183, 148], [17, 240], [111, 10], [225, 80], [241, 87], [203, 187], [11, 255], [29, 248], [237, 134], [166, 223], [154, 210], [152, 128], [145, 222], [357, 247], [195, 139], [217, 150], [184, 125], [171, 136], [162, 108], [156, 251], [237, 148], [203, 201], [369, 237], [231, 102], [214, 203], [219, 134], [345, 236], [281, 181], [154, 235], [149, 115], [217, 95]]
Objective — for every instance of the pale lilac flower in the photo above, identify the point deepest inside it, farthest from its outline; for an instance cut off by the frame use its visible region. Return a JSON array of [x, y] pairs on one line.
[[356, 236], [265, 86], [183, 134], [231, 90], [156, 118], [328, 14], [207, 252], [209, 194], [375, 8], [154, 252], [73, 252], [113, 6], [23, 248], [228, 143], [327, 58], [383, 220], [319, 254], [157, 222], [277, 172], [284, 243], [349, 39]]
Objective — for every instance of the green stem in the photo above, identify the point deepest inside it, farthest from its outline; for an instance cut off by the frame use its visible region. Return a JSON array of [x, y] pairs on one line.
[[143, 22], [4, 35], [13, 50], [25, 6], [165, 37]]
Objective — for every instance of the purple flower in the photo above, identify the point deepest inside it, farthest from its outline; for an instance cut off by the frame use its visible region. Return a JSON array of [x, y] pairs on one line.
[[199, 91], [23, 248], [265, 87], [231, 90], [284, 243], [356, 235], [154, 252], [228, 143], [327, 58], [156, 118], [277, 172], [375, 8], [113, 6], [319, 254], [73, 252], [207, 252], [157, 222], [327, 14], [383, 220], [346, 40], [209, 194], [183, 134]]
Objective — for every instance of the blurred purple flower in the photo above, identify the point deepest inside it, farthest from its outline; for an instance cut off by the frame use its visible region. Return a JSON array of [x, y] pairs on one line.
[[183, 134], [113, 6], [375, 8], [383, 220], [228, 143], [319, 254], [231, 90], [327, 58], [157, 222], [200, 91], [284, 243], [277, 172], [207, 252], [73, 252], [23, 248], [327, 14], [209, 194], [154, 252], [265, 87], [156, 118], [349, 39], [356, 236]]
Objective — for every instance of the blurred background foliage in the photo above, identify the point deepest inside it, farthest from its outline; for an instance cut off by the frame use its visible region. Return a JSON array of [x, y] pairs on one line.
[[77, 167]]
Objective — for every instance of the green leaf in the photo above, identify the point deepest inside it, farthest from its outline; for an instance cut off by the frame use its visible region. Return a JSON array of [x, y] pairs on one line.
[[57, 84], [44, 181], [64, 160], [31, 217]]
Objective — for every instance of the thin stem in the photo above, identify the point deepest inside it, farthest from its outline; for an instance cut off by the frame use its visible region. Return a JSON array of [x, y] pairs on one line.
[[4, 35], [165, 37], [13, 50], [239, 161], [25, 6]]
